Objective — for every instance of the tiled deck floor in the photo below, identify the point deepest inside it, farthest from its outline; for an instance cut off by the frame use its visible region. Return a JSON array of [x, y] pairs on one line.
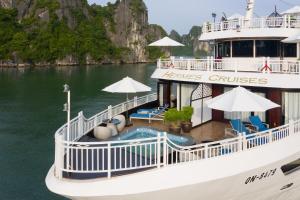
[[211, 131]]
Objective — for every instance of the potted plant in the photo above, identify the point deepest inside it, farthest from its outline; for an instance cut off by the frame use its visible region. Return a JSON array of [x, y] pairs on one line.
[[186, 124], [172, 118]]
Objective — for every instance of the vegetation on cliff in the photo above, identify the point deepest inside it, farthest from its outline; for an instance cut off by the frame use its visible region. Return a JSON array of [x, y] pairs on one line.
[[51, 32]]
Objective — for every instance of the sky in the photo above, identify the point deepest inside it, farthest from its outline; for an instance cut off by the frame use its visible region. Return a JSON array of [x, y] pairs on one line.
[[181, 15]]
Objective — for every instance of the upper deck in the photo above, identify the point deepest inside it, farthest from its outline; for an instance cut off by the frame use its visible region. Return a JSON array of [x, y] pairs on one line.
[[270, 27], [256, 72]]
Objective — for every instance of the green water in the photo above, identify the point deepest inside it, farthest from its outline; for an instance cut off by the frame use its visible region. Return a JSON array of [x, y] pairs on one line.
[[31, 103]]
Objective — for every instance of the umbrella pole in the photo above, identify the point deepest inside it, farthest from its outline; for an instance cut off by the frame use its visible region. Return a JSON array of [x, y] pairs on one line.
[[128, 123]]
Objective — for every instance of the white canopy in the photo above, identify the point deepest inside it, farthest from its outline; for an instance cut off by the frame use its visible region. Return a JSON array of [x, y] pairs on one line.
[[235, 16], [241, 100], [127, 85], [166, 42], [293, 39], [294, 10]]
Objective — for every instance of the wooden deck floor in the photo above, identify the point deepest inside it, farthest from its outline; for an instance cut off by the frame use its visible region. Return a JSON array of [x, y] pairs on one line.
[[210, 131]]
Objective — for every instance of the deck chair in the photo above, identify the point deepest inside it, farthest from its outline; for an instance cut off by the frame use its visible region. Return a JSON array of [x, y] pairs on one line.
[[258, 124], [149, 114], [239, 127]]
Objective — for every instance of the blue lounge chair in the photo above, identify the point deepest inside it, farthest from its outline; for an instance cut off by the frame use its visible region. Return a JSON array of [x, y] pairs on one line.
[[258, 124], [239, 128], [149, 114]]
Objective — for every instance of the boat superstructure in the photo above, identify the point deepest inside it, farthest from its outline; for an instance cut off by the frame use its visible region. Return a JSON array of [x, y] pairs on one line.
[[260, 54]]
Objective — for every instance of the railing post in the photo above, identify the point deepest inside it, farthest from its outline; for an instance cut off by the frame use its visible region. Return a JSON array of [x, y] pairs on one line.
[[158, 151], [109, 112], [165, 149], [212, 62], [270, 136], [159, 63], [291, 127], [245, 142], [135, 103], [208, 63], [240, 138], [206, 151], [108, 160], [189, 64], [80, 124], [59, 156]]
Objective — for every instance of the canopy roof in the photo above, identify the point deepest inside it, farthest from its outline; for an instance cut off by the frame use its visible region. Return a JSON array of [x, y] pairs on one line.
[[127, 85], [294, 10], [241, 100], [166, 42], [292, 39]]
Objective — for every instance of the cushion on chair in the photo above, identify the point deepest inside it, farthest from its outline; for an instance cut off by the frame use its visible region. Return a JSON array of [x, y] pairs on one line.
[[256, 121], [122, 119]]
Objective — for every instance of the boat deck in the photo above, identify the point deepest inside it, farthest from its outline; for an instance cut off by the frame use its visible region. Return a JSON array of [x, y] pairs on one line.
[[208, 132]]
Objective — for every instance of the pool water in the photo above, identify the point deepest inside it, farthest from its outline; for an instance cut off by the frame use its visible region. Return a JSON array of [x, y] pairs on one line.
[[145, 132]]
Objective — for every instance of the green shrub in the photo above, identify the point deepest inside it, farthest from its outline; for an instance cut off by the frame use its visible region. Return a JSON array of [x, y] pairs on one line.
[[187, 113], [173, 116]]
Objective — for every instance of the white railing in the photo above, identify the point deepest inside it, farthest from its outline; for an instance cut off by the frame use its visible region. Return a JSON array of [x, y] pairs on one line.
[[255, 23], [80, 126], [258, 65], [109, 158]]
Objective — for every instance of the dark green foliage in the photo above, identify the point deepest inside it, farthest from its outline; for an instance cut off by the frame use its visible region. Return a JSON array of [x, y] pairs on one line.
[[137, 6], [35, 41]]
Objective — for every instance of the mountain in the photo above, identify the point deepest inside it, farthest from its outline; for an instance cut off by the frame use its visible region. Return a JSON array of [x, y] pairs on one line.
[[193, 47], [66, 32]]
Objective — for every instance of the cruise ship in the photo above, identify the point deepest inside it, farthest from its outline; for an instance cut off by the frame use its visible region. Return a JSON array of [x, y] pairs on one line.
[[211, 161]]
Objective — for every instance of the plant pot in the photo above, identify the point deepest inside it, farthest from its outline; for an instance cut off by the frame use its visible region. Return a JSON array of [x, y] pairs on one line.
[[175, 129], [187, 127]]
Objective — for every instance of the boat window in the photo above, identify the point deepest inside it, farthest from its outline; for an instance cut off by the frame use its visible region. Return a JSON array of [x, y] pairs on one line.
[[224, 49], [291, 167], [290, 50], [267, 48], [242, 48]]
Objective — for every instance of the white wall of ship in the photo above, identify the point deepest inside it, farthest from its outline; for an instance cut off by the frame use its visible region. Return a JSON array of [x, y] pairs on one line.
[[183, 93]]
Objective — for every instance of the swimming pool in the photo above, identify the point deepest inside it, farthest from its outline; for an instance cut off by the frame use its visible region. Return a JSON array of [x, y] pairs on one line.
[[145, 132]]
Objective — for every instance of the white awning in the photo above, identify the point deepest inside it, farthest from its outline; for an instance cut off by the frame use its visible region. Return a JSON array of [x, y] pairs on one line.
[[293, 39], [294, 10]]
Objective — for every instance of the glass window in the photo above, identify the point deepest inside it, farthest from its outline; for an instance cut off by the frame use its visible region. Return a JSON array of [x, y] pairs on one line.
[[242, 48], [290, 50], [291, 167], [224, 49], [267, 48], [291, 107]]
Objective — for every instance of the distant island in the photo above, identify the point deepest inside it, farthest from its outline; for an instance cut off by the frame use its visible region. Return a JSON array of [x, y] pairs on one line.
[[72, 32]]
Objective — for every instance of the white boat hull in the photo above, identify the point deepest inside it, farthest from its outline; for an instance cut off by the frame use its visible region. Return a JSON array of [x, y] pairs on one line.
[[251, 175]]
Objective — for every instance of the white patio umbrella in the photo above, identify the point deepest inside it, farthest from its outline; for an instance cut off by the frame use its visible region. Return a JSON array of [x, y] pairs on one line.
[[241, 100], [127, 85], [166, 42], [294, 10]]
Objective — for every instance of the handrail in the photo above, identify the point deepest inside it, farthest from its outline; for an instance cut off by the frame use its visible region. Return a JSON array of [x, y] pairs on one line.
[[115, 156], [256, 65], [255, 23]]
